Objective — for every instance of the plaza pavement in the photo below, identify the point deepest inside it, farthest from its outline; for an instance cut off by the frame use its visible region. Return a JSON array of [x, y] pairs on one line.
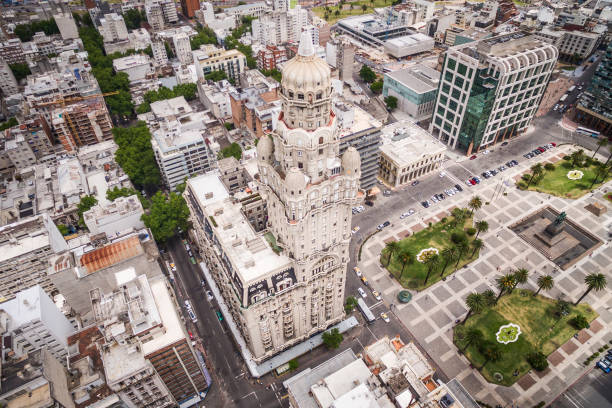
[[432, 313]]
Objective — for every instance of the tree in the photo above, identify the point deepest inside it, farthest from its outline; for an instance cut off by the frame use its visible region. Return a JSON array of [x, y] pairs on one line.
[[391, 102], [135, 156], [205, 35], [520, 276], [133, 18], [25, 32], [490, 351], [459, 237], [293, 364], [601, 170], [63, 229], [215, 76], [545, 282], [560, 309], [536, 171], [472, 336], [391, 247], [337, 13], [537, 360], [481, 226], [84, 205], [332, 338], [475, 204], [505, 283], [20, 70], [579, 322], [9, 123], [274, 73], [549, 167], [489, 298], [577, 158], [377, 86], [364, 8], [475, 303], [232, 150], [462, 248], [367, 74], [406, 258], [113, 194], [166, 215], [432, 263], [595, 281], [476, 244], [447, 255], [350, 304]]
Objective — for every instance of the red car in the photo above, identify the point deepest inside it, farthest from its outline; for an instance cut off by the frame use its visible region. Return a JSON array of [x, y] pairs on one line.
[[542, 150], [190, 334], [554, 144], [472, 182], [473, 157]]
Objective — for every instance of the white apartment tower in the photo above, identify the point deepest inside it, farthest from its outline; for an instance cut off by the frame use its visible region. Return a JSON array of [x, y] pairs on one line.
[[66, 25], [182, 46], [160, 56], [155, 16], [8, 83], [490, 89], [112, 27]]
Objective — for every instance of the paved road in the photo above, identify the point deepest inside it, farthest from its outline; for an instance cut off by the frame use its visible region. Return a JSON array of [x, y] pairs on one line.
[[594, 390]]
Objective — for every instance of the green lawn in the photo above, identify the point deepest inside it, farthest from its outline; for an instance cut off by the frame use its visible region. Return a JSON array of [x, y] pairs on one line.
[[556, 182], [437, 236], [346, 11], [540, 330]]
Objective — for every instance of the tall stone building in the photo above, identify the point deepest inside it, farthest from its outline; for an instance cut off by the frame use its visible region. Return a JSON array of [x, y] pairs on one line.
[[286, 283]]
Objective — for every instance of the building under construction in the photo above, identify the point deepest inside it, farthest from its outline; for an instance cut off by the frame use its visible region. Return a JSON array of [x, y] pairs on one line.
[[81, 124]]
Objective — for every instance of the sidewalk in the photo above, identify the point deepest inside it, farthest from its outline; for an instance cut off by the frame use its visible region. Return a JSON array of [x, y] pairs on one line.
[[432, 313]]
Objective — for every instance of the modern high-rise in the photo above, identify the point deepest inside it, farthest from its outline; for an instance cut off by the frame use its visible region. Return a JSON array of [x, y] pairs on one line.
[[112, 28], [595, 106], [286, 283], [182, 48], [189, 7], [490, 89]]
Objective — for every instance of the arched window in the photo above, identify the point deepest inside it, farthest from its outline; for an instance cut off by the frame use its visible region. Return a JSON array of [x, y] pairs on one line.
[[321, 140]]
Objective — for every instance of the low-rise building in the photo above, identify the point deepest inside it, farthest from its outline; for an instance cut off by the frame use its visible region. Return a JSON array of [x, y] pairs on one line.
[[67, 26], [215, 97], [254, 101], [408, 45], [211, 58], [270, 57], [121, 215], [415, 89], [137, 66], [256, 9], [570, 43], [408, 152]]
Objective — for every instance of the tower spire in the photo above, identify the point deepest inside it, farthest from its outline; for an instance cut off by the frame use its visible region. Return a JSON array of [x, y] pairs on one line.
[[306, 48]]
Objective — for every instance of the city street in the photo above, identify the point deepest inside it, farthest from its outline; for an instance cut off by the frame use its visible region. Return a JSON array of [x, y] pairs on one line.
[[592, 390]]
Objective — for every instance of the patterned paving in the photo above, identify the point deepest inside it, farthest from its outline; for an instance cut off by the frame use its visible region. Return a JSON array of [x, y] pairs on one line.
[[432, 313]]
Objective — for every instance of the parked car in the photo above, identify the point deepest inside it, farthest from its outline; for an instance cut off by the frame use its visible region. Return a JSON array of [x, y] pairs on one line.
[[172, 267], [190, 334], [187, 305], [385, 317], [219, 315], [468, 182], [603, 366], [357, 271], [415, 182], [192, 316], [504, 144], [356, 229], [425, 204], [387, 193], [209, 295], [364, 280], [473, 157], [369, 203], [458, 187], [376, 295], [383, 225], [362, 293]]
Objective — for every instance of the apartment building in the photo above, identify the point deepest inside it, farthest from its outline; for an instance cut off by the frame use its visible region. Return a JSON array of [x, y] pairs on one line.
[[112, 28], [8, 83], [211, 58], [32, 321], [256, 9], [215, 97], [408, 152], [67, 26], [12, 52], [27, 143], [415, 89], [26, 246], [189, 7], [182, 48], [490, 90], [137, 66], [82, 124], [255, 91], [594, 108], [270, 57], [155, 16], [570, 43], [160, 57], [121, 215]]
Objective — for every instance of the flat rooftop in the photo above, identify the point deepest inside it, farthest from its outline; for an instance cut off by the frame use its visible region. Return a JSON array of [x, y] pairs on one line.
[[362, 120], [404, 143], [168, 107], [419, 78], [131, 61], [173, 329]]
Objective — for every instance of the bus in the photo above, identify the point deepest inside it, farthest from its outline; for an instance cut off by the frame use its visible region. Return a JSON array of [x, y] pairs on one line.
[[587, 132], [367, 313], [563, 98]]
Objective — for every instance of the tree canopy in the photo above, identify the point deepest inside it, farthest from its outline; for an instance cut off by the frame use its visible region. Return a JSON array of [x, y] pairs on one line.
[[135, 155], [367, 74], [188, 91], [166, 215], [215, 76], [20, 70], [133, 18], [274, 73], [205, 36], [332, 338], [232, 150], [113, 194], [9, 123], [232, 41], [84, 205], [391, 102], [25, 32], [377, 86]]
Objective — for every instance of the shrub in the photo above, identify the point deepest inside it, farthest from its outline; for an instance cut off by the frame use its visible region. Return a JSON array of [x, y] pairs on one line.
[[505, 194], [605, 346], [443, 219], [458, 237], [293, 364], [521, 185], [595, 355], [538, 361], [579, 322], [525, 177], [471, 231], [601, 349]]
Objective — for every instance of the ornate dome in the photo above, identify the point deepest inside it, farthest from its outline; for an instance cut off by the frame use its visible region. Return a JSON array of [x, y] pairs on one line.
[[351, 161], [265, 147], [306, 71], [295, 181]]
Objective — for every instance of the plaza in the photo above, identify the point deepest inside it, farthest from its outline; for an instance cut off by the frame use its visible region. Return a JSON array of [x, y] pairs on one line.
[[431, 314]]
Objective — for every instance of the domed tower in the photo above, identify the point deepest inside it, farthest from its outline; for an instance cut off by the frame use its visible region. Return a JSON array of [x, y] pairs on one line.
[[310, 192]]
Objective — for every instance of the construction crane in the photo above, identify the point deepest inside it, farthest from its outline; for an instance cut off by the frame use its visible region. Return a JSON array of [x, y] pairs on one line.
[[63, 101]]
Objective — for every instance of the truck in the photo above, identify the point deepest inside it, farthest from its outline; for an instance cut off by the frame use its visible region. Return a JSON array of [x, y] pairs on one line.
[[571, 89], [563, 98]]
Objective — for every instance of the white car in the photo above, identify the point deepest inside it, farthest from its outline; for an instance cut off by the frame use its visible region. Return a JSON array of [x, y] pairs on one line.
[[356, 229], [362, 293], [209, 295], [434, 199], [385, 317], [404, 215], [376, 295], [468, 182], [411, 211], [442, 174], [357, 271]]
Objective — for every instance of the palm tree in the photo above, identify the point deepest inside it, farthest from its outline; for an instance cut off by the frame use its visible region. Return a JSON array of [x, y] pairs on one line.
[[600, 143], [610, 155], [337, 13], [364, 7], [481, 226], [595, 281], [405, 258], [432, 262], [577, 157], [462, 247], [391, 247], [491, 352], [475, 303], [447, 255], [520, 276], [476, 244], [472, 336], [489, 298], [536, 170], [545, 282], [475, 204], [602, 169], [504, 283]]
